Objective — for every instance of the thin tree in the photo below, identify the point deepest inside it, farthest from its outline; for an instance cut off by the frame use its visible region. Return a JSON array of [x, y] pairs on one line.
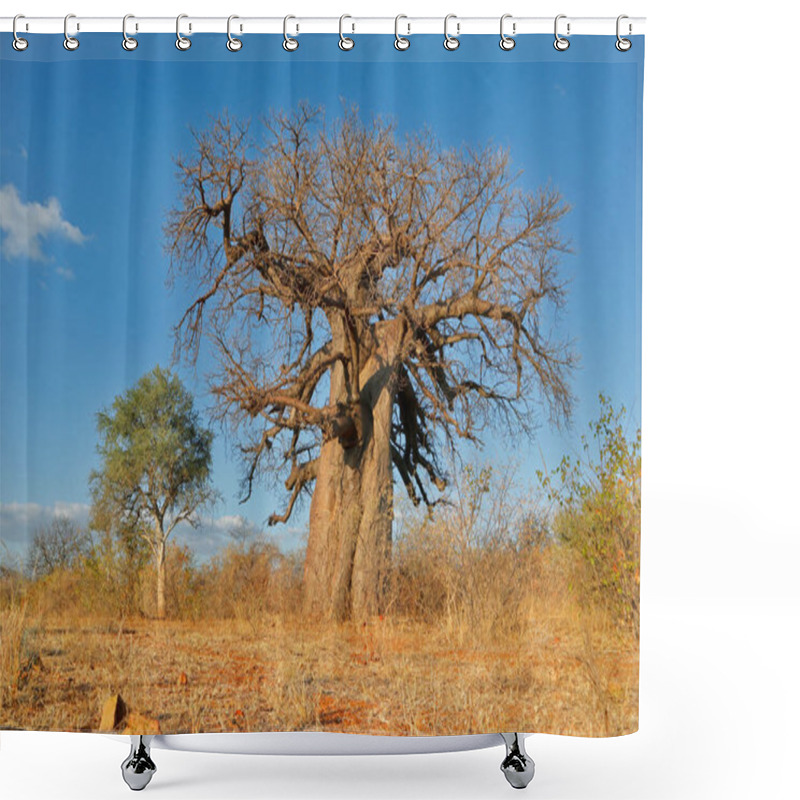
[[371, 300], [155, 466]]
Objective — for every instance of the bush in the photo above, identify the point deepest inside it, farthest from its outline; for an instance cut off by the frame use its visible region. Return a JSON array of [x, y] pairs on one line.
[[13, 586], [251, 578], [13, 630], [112, 577], [473, 561], [598, 513]]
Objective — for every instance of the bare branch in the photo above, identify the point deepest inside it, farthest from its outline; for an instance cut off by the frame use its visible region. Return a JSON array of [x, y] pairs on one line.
[[303, 240]]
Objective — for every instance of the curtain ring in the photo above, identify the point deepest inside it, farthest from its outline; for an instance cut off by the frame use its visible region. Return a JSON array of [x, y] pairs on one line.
[[19, 43], [451, 42], [70, 42], [400, 42], [181, 42], [345, 42], [561, 43], [622, 44], [289, 43], [233, 44], [507, 42], [128, 42]]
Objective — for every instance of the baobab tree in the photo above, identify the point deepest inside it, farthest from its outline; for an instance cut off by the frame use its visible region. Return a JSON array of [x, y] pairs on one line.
[[371, 299]]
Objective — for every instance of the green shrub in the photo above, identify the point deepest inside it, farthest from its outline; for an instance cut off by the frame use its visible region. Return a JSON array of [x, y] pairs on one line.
[[598, 503]]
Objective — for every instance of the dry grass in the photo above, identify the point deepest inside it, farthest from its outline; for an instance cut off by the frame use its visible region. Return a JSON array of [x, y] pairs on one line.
[[12, 652], [490, 625], [565, 673]]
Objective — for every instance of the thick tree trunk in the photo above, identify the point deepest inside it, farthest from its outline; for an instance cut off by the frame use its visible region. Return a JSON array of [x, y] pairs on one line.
[[350, 523], [161, 578]]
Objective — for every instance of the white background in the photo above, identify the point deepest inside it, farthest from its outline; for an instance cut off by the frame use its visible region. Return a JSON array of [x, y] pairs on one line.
[[721, 547]]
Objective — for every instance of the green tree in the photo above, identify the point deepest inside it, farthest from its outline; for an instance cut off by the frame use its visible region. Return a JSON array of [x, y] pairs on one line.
[[598, 511], [156, 466]]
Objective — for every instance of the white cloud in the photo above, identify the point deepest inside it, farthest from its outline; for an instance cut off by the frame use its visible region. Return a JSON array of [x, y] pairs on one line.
[[226, 522], [66, 273], [19, 521], [212, 534], [26, 225]]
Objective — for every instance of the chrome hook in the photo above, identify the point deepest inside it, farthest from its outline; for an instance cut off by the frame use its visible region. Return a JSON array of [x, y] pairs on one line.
[[622, 44], [401, 42], [70, 42], [19, 44], [507, 42], [181, 42], [128, 42], [233, 44], [451, 42], [289, 44], [560, 43], [345, 42]]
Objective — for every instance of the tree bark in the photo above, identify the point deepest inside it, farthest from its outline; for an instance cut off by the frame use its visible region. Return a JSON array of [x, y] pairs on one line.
[[161, 578], [350, 522]]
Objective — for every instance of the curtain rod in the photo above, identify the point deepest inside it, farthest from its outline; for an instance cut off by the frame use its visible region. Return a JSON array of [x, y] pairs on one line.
[[514, 26]]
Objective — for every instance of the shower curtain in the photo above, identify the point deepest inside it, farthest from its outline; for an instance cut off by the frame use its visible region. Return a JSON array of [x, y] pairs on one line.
[[320, 384]]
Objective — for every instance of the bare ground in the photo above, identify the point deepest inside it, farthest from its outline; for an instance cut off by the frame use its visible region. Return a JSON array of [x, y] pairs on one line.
[[382, 677]]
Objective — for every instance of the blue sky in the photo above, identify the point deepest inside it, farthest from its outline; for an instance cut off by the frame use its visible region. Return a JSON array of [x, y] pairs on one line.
[[87, 142]]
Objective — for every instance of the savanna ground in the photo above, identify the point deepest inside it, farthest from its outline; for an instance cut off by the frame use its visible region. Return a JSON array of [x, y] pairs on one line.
[[499, 615], [563, 671]]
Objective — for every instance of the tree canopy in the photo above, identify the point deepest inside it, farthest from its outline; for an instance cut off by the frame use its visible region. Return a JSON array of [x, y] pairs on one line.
[[155, 464], [310, 239]]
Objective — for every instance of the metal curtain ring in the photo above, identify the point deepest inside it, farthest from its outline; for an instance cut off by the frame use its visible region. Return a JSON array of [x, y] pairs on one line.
[[345, 42], [181, 42], [233, 44], [451, 42], [70, 42], [401, 42], [289, 44], [128, 42], [560, 43], [18, 43], [622, 44], [507, 42]]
